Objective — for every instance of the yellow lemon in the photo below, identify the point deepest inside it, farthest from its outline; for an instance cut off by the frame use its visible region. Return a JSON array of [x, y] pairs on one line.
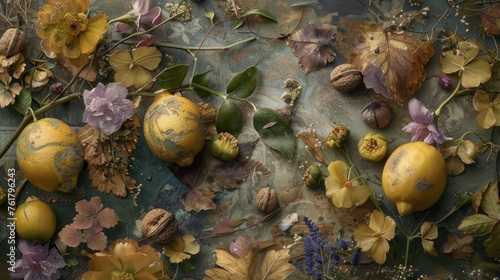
[[50, 155], [174, 129], [35, 220], [414, 177]]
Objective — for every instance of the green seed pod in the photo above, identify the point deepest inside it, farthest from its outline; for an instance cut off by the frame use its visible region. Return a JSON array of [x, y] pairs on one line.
[[224, 146], [337, 137], [313, 177], [373, 147]]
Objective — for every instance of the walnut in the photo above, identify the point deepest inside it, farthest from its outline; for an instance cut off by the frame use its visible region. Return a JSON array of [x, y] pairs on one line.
[[267, 200], [345, 77], [159, 225], [12, 42]]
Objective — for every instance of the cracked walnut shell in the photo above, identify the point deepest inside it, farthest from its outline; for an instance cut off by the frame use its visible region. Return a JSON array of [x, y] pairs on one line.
[[345, 77], [267, 200], [159, 225]]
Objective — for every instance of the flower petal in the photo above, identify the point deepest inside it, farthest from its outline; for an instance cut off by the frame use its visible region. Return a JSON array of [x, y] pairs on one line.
[[96, 27], [419, 113], [147, 57], [96, 240], [70, 236], [379, 250], [481, 100], [107, 218]]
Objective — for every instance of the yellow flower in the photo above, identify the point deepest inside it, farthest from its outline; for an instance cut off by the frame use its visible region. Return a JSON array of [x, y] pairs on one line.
[[126, 260], [341, 190], [489, 111], [180, 249], [8, 92], [133, 70], [375, 236], [64, 28]]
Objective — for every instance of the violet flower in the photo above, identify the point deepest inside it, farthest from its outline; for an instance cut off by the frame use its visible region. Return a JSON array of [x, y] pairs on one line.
[[38, 262], [423, 126], [444, 81], [141, 14], [106, 107]]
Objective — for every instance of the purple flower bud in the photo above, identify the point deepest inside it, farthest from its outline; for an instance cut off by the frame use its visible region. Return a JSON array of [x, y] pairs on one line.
[[56, 88], [444, 81]]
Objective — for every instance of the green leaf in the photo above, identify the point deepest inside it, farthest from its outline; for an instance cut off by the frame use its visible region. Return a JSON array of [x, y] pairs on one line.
[[492, 243], [261, 12], [243, 84], [305, 3], [23, 101], [477, 224], [229, 118], [275, 131], [237, 24], [203, 80], [172, 77], [210, 15], [490, 203]]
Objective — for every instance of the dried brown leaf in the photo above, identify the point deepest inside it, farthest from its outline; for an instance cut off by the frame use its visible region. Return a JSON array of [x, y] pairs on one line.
[[311, 45], [459, 247], [109, 158], [275, 265], [227, 226], [429, 232], [240, 247], [492, 243], [392, 62], [490, 202], [490, 18], [477, 197], [312, 143]]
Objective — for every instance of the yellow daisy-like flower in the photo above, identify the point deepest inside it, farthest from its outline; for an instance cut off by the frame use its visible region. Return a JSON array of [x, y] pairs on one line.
[[126, 260], [65, 29], [180, 249], [375, 236], [343, 192], [489, 111], [133, 70]]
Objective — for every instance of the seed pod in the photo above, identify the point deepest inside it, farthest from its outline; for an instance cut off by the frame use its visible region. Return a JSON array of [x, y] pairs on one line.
[[12, 42], [377, 113], [313, 177], [267, 200], [337, 137], [345, 77], [159, 225], [224, 146], [373, 147]]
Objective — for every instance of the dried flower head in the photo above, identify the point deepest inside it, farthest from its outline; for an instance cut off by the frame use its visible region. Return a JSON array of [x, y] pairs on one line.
[[489, 111], [133, 70], [107, 107], [38, 262], [180, 249], [375, 236], [8, 92]]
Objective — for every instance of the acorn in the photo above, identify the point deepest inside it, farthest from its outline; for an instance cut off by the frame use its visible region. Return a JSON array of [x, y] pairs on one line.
[[377, 113], [12, 42]]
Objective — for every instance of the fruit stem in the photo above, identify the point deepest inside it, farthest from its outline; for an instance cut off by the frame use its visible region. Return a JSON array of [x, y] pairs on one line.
[[27, 118], [32, 114]]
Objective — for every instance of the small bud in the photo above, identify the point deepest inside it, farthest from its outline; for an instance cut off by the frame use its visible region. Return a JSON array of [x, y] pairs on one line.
[[56, 88], [224, 146], [444, 81], [313, 177], [373, 147], [464, 200], [337, 137]]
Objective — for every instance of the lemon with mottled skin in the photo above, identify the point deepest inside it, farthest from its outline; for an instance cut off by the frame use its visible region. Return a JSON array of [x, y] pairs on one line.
[[174, 129], [49, 155], [35, 220], [414, 177]]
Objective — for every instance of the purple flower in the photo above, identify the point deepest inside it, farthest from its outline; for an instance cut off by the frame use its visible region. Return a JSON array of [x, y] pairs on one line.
[[38, 262], [444, 81], [423, 126], [106, 107], [141, 14]]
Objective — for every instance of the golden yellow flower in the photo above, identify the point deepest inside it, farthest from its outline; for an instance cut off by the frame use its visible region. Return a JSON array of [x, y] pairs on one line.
[[64, 28], [126, 260], [342, 191], [180, 249]]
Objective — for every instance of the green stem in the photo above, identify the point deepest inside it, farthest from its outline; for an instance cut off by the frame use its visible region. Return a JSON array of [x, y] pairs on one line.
[[214, 92], [188, 48], [437, 112], [28, 117]]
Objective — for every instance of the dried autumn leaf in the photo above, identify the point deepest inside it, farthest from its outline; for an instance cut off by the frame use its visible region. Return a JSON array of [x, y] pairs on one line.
[[312, 143], [429, 232], [227, 226], [457, 156], [109, 157], [240, 247], [477, 197], [492, 243], [490, 202], [392, 63], [275, 265], [472, 71], [477, 224], [311, 45], [459, 247], [490, 19]]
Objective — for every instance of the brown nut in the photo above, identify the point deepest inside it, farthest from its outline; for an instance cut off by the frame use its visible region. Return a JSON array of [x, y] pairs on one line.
[[267, 200], [12, 42], [377, 113], [345, 77], [159, 226]]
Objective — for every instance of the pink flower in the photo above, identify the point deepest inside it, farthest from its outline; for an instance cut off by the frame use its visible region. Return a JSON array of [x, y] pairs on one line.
[[38, 262], [141, 14], [107, 107], [92, 213], [94, 237], [423, 126]]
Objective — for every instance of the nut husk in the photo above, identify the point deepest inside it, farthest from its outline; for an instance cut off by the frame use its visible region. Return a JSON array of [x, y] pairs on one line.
[[267, 200], [377, 113], [159, 225], [345, 77], [12, 42]]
